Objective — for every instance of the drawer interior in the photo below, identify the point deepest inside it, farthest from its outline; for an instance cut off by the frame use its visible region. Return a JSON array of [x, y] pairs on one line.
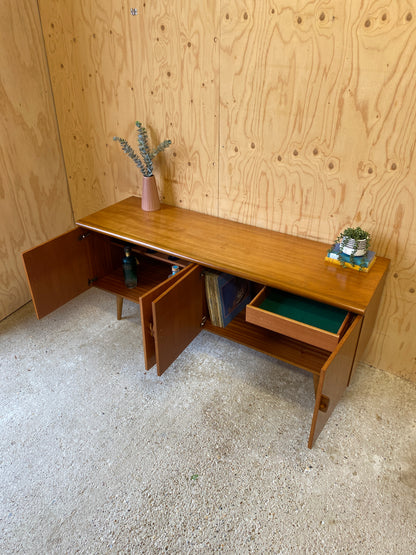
[[306, 311], [303, 319]]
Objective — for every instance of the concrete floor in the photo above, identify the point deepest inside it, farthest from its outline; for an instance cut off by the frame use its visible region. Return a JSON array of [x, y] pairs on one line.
[[99, 456]]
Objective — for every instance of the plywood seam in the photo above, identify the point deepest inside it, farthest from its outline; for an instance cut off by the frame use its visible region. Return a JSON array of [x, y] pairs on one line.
[[55, 112]]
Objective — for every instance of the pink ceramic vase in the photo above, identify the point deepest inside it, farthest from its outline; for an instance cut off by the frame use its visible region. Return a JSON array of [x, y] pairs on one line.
[[150, 195]]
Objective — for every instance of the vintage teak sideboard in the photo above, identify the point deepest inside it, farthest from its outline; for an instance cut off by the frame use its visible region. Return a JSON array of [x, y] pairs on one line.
[[174, 309]]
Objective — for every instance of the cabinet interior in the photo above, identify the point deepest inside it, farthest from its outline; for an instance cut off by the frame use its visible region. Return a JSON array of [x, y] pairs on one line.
[[154, 268]]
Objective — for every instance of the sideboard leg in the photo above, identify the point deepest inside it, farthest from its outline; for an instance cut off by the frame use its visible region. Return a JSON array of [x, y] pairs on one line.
[[119, 300]]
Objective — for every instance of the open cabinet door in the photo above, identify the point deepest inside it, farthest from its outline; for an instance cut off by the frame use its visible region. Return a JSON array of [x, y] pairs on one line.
[[57, 271], [146, 310], [334, 378], [178, 317]]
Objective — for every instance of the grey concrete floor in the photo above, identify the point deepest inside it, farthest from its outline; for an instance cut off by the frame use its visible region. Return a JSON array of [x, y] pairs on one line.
[[100, 456]]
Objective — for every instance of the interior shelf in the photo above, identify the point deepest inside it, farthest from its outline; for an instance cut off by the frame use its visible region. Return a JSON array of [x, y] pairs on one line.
[[149, 274], [294, 352], [151, 253]]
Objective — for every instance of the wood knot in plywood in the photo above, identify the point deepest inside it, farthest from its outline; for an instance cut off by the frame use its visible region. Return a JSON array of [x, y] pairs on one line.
[[367, 169], [391, 165], [332, 164]]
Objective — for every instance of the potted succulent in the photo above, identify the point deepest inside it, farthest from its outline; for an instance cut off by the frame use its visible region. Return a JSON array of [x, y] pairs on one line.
[[354, 241], [144, 161]]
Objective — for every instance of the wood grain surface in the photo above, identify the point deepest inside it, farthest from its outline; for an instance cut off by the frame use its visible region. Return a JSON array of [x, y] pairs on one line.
[[34, 200], [109, 69], [293, 264], [294, 116]]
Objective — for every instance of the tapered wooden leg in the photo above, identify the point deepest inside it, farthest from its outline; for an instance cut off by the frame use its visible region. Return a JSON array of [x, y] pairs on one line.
[[119, 300]]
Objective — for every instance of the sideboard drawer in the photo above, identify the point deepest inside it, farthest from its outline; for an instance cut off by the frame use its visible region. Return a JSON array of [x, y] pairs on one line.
[[303, 319]]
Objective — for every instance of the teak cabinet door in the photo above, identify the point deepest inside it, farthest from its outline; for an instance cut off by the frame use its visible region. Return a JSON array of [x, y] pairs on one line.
[[146, 309], [334, 378], [57, 271], [177, 317]]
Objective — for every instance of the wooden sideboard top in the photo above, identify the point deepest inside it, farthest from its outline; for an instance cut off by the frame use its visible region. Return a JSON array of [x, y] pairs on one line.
[[268, 257]]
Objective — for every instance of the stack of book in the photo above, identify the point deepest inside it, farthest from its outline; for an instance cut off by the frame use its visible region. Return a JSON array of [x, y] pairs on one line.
[[360, 263], [227, 295]]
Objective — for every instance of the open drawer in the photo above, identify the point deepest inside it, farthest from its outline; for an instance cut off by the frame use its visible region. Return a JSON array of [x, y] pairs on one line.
[[303, 319]]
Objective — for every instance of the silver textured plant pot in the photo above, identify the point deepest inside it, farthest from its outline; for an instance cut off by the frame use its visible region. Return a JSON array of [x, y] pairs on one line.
[[355, 248]]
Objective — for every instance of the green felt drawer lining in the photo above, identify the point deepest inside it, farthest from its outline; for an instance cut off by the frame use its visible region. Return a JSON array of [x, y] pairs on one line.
[[312, 313]]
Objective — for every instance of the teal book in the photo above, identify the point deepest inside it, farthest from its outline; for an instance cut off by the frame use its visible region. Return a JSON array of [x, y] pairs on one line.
[[360, 263]]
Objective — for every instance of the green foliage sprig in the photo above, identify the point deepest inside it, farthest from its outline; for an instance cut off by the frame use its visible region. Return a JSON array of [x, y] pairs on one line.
[[144, 161]]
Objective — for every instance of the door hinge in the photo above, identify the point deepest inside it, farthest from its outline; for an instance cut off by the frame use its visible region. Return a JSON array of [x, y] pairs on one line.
[[204, 319], [84, 235], [91, 281]]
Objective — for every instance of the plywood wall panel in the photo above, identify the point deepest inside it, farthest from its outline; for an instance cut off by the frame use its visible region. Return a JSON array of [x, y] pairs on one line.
[[317, 133], [109, 69], [34, 200]]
